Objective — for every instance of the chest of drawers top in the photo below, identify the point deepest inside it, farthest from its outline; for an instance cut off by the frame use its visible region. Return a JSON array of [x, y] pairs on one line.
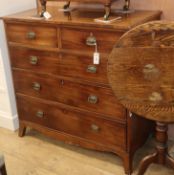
[[85, 18]]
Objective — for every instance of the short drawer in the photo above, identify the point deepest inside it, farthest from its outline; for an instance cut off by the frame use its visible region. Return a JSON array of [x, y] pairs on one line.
[[81, 67], [63, 119], [92, 98], [83, 39], [32, 35]]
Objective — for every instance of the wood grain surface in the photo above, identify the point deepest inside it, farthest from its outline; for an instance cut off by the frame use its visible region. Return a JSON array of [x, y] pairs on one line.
[[140, 70], [166, 6]]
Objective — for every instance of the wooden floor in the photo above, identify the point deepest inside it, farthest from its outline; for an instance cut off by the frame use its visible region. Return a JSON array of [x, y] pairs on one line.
[[36, 154]]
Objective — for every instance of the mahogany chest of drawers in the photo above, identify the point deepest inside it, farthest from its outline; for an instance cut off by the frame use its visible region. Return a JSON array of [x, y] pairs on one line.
[[60, 92]]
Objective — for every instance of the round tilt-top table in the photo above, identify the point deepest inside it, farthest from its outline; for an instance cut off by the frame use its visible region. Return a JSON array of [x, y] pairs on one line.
[[141, 74]]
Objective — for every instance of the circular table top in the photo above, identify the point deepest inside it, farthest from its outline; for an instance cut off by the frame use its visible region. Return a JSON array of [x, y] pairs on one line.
[[141, 70]]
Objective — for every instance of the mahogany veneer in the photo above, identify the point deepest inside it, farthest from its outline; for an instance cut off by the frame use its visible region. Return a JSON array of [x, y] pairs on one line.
[[60, 92]]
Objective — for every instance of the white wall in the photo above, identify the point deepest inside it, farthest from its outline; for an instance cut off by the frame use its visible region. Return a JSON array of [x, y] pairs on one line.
[[8, 113]]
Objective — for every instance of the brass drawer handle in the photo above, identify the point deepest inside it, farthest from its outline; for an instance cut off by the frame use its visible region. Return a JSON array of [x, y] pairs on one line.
[[31, 35], [95, 128], [151, 72], [33, 60], [40, 114], [93, 99], [91, 40], [36, 86], [91, 69], [150, 68]]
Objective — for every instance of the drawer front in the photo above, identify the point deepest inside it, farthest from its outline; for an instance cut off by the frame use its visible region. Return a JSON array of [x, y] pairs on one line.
[[71, 122], [96, 99], [80, 39], [32, 35], [81, 67]]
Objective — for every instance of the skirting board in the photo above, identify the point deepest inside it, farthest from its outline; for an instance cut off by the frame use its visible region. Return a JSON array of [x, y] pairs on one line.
[[8, 121]]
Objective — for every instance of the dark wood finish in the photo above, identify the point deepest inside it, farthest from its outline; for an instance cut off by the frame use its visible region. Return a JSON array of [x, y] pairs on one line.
[[126, 5], [143, 58], [83, 19], [64, 64], [161, 155], [64, 119], [3, 170], [22, 130], [107, 5], [2, 166], [60, 90], [57, 93], [149, 51], [32, 35], [76, 39]]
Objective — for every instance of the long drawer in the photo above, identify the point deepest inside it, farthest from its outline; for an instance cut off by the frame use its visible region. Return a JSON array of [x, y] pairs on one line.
[[33, 35], [92, 98], [80, 39], [81, 67], [87, 126]]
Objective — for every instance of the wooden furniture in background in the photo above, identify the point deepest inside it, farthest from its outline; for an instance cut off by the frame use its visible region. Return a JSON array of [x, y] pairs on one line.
[[107, 4], [60, 92], [2, 166], [140, 72]]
